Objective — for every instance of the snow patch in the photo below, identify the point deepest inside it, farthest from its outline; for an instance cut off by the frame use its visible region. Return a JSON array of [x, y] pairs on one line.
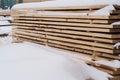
[[29, 61], [6, 29], [5, 41], [114, 63], [65, 3], [104, 11], [116, 23], [3, 23], [117, 45]]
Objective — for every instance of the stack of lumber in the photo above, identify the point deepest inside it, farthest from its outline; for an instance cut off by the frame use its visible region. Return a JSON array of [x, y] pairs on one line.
[[71, 28]]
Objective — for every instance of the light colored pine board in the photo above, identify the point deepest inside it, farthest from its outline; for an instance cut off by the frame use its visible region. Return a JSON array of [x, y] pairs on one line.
[[101, 35], [24, 14], [72, 36], [103, 45], [65, 24], [67, 20], [30, 37], [101, 54], [32, 40], [30, 34], [37, 27], [83, 47], [30, 31]]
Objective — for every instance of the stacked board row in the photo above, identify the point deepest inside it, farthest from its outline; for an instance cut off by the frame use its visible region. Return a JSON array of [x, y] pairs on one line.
[[77, 32]]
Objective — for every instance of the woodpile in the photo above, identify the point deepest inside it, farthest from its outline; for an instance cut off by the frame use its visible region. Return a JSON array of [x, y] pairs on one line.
[[71, 28]]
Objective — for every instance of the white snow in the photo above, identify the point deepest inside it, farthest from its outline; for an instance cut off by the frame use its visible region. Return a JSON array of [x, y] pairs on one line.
[[2, 18], [5, 41], [8, 18], [113, 63], [116, 23], [6, 29], [104, 11], [3, 23], [64, 3], [117, 45], [29, 61]]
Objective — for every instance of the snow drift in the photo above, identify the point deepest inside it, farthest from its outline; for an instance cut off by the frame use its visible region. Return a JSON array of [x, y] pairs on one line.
[[28, 61], [64, 3]]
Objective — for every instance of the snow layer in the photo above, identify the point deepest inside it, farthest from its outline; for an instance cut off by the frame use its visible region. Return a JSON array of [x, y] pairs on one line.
[[3, 23], [5, 41], [5, 29], [2, 18], [64, 3], [116, 23], [104, 11], [28, 61], [114, 63]]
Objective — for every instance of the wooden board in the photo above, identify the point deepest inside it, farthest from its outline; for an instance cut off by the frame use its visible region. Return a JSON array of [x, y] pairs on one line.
[[67, 24], [42, 31], [84, 47], [34, 14]]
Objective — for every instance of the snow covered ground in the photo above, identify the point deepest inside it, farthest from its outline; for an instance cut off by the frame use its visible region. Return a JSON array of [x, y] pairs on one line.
[[29, 61]]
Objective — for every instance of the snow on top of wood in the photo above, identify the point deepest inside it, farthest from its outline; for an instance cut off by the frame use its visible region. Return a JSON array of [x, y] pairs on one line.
[[104, 11], [4, 23], [6, 29], [65, 3], [114, 63], [2, 18], [116, 23]]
